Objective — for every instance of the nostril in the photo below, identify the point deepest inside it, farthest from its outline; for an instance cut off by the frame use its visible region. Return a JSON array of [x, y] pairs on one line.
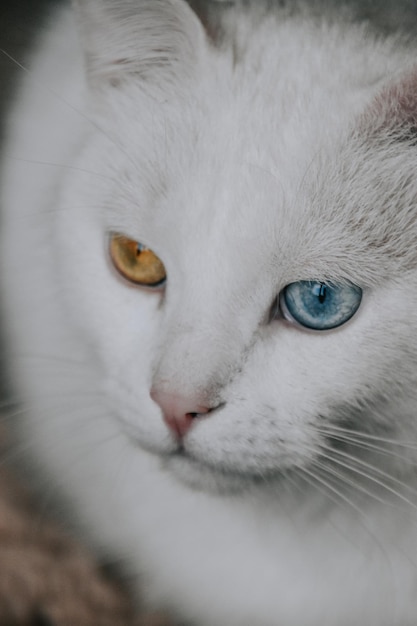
[[177, 404], [179, 412], [179, 425]]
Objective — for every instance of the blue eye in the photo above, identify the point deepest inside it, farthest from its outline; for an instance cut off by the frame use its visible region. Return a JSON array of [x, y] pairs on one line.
[[319, 306]]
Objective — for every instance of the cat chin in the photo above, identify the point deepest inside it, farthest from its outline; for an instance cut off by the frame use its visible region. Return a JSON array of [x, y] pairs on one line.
[[199, 476]]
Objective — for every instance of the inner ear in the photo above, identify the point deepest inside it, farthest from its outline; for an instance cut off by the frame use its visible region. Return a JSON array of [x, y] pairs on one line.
[[210, 13], [393, 112]]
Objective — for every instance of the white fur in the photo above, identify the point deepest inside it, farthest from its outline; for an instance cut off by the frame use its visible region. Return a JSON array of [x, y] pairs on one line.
[[245, 168]]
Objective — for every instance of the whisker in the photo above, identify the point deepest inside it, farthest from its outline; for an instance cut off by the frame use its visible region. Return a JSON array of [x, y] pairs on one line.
[[365, 464], [370, 447], [125, 188], [363, 517], [321, 486], [330, 496], [9, 415], [61, 165], [80, 113], [364, 445], [357, 435], [14, 452], [15, 455], [11, 403], [332, 489], [56, 358], [360, 472], [355, 485]]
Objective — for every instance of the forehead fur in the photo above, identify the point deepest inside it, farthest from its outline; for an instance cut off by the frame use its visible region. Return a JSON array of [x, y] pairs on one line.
[[276, 133]]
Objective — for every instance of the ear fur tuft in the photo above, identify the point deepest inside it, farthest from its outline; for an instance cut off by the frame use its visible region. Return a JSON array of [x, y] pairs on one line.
[[153, 39]]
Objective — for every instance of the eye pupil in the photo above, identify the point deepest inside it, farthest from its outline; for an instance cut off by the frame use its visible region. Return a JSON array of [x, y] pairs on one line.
[[322, 293]]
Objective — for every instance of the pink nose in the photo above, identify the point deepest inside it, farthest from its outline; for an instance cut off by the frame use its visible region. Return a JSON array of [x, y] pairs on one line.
[[178, 411]]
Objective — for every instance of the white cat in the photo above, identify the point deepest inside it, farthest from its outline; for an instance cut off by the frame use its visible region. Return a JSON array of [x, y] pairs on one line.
[[230, 406]]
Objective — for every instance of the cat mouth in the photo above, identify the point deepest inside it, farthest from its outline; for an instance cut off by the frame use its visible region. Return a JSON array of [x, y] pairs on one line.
[[199, 474]]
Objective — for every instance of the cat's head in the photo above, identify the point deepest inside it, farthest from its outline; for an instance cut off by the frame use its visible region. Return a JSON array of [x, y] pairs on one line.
[[275, 183]]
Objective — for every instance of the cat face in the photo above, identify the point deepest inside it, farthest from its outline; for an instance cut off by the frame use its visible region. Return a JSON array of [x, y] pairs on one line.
[[243, 179]]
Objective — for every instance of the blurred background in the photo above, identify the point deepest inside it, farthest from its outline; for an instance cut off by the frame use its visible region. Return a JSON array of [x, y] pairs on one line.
[[19, 22]]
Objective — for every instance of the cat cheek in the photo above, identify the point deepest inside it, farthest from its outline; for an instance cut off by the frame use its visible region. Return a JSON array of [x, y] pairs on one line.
[[138, 417]]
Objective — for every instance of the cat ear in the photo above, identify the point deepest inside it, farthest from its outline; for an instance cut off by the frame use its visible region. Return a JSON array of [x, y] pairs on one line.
[[148, 38], [394, 110]]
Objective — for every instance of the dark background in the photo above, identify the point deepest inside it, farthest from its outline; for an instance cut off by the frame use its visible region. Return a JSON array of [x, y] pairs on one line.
[[19, 22]]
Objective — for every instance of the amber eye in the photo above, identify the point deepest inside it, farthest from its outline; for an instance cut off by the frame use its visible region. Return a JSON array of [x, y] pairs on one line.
[[136, 263]]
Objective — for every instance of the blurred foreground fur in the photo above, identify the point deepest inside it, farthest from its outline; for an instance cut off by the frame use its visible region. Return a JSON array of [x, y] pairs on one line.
[[46, 578]]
